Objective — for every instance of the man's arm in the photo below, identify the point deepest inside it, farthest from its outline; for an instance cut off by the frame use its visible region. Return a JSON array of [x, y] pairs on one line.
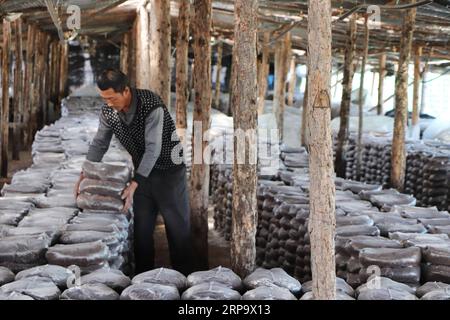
[[153, 141], [101, 141]]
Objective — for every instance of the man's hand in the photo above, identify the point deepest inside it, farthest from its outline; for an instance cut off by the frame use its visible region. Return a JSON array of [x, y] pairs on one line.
[[77, 185], [128, 194]]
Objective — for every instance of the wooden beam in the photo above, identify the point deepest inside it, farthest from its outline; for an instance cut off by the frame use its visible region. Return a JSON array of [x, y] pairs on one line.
[[263, 73], [160, 48], [18, 89], [382, 74], [415, 111], [322, 221], [218, 73], [349, 71], [245, 209], [398, 158], [182, 78], [201, 28], [361, 97], [5, 97]]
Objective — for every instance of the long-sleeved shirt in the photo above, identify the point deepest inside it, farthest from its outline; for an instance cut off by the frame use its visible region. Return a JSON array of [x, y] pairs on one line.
[[153, 136]]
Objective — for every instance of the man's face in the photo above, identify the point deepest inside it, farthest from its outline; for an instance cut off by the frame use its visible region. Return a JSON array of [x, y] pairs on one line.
[[115, 100]]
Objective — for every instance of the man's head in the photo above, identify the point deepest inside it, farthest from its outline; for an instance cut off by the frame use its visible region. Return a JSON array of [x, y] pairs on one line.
[[114, 89]]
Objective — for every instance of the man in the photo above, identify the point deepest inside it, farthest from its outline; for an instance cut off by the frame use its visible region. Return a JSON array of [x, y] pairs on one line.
[[141, 122]]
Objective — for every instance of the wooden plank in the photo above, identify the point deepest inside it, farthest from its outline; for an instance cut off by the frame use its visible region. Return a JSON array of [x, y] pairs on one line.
[[5, 98], [182, 86], [64, 70], [201, 27], [322, 221], [398, 158], [349, 71], [160, 53], [125, 53]]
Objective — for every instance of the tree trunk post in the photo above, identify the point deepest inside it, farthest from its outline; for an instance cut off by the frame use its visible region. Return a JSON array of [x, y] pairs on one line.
[[202, 113], [349, 71], [160, 49], [398, 158]]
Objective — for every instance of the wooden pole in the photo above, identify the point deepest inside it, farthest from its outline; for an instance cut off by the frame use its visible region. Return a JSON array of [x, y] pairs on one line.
[[5, 98], [64, 69], [382, 74], [262, 78], [415, 111], [202, 113], [133, 47], [182, 87], [398, 158], [349, 71], [125, 53], [160, 49], [281, 68], [35, 93], [28, 85], [142, 48], [245, 209], [423, 99], [322, 221], [232, 81], [45, 80], [218, 73], [361, 97], [18, 90], [292, 81], [304, 132]]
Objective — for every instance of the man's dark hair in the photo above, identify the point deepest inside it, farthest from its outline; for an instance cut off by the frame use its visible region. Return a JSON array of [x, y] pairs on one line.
[[112, 78]]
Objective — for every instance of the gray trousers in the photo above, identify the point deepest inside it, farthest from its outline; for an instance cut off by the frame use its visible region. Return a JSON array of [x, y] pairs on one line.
[[163, 191]]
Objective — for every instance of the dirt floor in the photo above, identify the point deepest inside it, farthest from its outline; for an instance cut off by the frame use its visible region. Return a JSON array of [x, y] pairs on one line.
[[219, 249], [17, 165]]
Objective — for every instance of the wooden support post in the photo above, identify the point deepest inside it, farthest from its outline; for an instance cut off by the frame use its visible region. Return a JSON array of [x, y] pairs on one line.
[[133, 50], [232, 86], [304, 132], [423, 98], [415, 111], [142, 48], [28, 85], [218, 73], [281, 68], [292, 81], [18, 89], [5, 98], [201, 28], [398, 158], [349, 71], [322, 221], [160, 49], [64, 70], [382, 74], [35, 86], [245, 209], [263, 73], [45, 80], [125, 53], [182, 86], [361, 97]]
